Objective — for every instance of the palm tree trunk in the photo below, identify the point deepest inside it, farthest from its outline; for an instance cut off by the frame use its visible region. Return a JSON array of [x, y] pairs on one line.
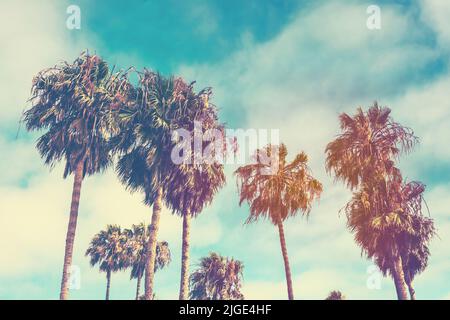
[[70, 237], [412, 292], [184, 282], [287, 269], [108, 283], [150, 269], [399, 279], [138, 287]]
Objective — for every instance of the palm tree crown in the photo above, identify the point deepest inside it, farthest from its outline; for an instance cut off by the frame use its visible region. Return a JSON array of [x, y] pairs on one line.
[[108, 249], [282, 194], [366, 148], [217, 278], [161, 106], [74, 103]]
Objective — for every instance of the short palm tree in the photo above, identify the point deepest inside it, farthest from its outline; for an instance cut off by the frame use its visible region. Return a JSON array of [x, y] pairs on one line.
[[217, 278], [108, 250], [278, 195], [138, 239], [335, 295], [72, 104]]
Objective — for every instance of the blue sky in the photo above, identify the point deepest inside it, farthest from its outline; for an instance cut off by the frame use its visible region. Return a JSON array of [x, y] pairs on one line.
[[288, 65]]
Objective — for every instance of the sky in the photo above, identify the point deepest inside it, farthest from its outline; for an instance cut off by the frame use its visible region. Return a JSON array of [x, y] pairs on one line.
[[287, 65]]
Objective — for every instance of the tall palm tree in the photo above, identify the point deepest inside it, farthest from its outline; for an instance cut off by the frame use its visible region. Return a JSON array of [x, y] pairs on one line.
[[278, 195], [194, 184], [145, 144], [217, 278], [363, 156], [108, 249], [138, 239], [72, 104]]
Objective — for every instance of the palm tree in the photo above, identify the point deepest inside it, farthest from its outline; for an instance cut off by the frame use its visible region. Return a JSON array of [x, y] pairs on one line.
[[145, 144], [278, 195], [72, 104], [138, 240], [363, 156], [335, 295], [194, 184], [388, 225], [413, 243], [217, 278], [108, 249]]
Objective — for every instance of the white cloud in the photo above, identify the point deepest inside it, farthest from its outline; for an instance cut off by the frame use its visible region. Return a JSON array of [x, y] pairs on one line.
[[436, 13], [426, 110], [34, 37]]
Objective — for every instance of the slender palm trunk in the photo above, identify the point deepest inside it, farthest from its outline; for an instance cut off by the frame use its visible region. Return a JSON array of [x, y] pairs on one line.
[[108, 283], [412, 292], [138, 287], [287, 269], [184, 282], [70, 237], [399, 279], [150, 269]]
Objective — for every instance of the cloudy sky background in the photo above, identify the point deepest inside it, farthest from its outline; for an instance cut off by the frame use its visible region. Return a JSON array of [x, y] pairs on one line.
[[287, 65]]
